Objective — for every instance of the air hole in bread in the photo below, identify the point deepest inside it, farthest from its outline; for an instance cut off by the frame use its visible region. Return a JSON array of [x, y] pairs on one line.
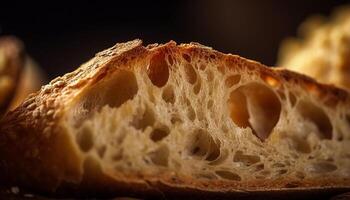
[[191, 75], [299, 144], [222, 69], [197, 86], [210, 103], [265, 173], [191, 114], [313, 88], [122, 84], [117, 155], [119, 139], [143, 121], [214, 151], [321, 167], [202, 66], [317, 116], [158, 70], [281, 172], [200, 115], [206, 176], [222, 156], [270, 80], [159, 133], [232, 80], [168, 94], [186, 57], [260, 177], [246, 159], [228, 175], [150, 94], [203, 146], [210, 75], [200, 145], [259, 167], [281, 94], [340, 136], [347, 117], [256, 106], [238, 108], [346, 156], [160, 156], [101, 150], [292, 98], [278, 165], [170, 60], [175, 119], [224, 128], [85, 138]]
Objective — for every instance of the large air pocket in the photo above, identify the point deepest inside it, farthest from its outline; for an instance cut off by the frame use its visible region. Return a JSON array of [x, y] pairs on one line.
[[113, 90], [256, 106]]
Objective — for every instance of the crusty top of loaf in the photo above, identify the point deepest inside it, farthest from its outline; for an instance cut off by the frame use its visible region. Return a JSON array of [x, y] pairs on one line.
[[48, 103], [44, 107]]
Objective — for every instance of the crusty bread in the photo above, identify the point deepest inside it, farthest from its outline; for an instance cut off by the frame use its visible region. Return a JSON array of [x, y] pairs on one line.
[[323, 49], [178, 120]]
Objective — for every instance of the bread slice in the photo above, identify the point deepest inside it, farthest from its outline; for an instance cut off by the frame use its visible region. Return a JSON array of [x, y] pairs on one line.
[[178, 120], [323, 49]]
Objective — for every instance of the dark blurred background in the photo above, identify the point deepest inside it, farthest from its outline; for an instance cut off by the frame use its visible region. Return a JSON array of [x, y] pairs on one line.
[[61, 36]]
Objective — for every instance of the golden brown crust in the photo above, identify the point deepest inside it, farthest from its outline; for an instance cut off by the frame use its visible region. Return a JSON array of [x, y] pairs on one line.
[[34, 144]]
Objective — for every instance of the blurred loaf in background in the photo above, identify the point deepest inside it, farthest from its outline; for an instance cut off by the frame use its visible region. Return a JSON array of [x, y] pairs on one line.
[[19, 74], [322, 50]]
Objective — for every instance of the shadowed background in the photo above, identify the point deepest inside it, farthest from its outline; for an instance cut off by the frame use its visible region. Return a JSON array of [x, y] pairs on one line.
[[61, 36]]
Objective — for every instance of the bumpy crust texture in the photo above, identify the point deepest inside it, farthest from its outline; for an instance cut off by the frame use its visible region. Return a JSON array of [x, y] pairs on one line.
[[38, 151]]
